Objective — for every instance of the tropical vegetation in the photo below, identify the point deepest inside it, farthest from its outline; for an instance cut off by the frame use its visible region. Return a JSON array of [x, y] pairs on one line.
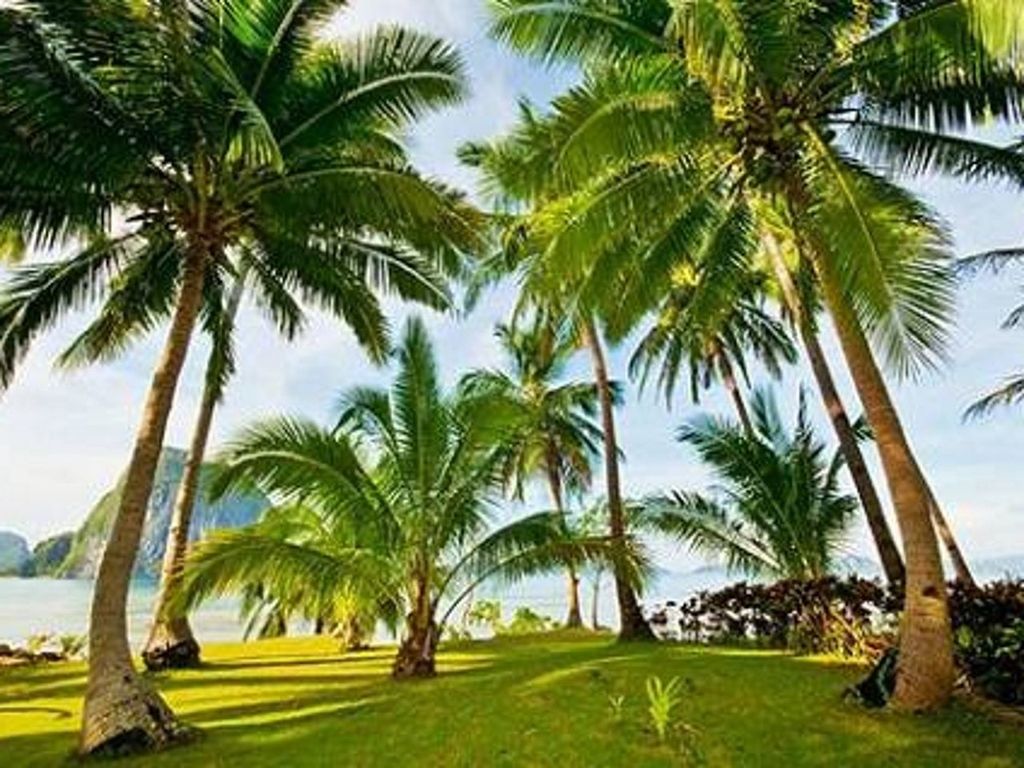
[[388, 516], [776, 509], [723, 186]]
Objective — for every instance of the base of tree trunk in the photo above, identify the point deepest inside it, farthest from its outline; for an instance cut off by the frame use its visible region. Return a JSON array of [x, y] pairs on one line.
[[171, 645], [574, 620], [636, 631], [127, 717], [416, 656]]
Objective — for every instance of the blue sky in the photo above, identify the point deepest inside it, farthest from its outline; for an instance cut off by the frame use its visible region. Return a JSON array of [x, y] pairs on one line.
[[64, 438]]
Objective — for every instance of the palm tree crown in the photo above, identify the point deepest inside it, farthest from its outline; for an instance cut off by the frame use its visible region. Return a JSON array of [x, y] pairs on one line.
[[777, 509], [406, 487]]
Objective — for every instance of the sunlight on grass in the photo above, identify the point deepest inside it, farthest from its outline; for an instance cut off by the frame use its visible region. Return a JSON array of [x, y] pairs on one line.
[[541, 700]]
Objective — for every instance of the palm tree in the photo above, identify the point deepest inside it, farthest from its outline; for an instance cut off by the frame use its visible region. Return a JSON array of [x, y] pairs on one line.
[[777, 509], [264, 563], [796, 303], [162, 140], [713, 341], [516, 259], [719, 101], [559, 440], [403, 491], [1012, 390]]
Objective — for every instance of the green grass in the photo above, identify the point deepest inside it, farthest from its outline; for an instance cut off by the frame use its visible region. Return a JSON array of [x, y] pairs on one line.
[[518, 702]]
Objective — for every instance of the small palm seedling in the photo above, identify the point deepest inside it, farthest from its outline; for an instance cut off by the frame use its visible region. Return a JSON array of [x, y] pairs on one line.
[[663, 699], [616, 703]]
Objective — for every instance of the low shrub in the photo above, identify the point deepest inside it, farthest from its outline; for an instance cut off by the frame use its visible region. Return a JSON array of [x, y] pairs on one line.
[[988, 627], [858, 618], [846, 617]]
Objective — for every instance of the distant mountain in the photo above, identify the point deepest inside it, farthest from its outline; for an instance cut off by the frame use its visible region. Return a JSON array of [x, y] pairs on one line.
[[49, 555], [14, 553], [87, 544]]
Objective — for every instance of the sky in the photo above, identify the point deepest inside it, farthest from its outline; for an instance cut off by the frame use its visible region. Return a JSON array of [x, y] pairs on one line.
[[65, 437]]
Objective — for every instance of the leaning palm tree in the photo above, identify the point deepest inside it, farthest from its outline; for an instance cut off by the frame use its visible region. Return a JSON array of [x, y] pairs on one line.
[[160, 141], [558, 440], [777, 509], [722, 99], [801, 304], [407, 485], [713, 340]]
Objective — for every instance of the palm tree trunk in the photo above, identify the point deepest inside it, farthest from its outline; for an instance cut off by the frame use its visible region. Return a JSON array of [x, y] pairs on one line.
[[574, 618], [956, 556], [733, 388], [633, 626], [926, 674], [416, 654], [888, 552], [121, 712], [171, 644], [594, 622]]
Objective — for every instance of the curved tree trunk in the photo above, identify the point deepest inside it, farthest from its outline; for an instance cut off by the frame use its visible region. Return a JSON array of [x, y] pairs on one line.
[[926, 673], [888, 552], [633, 626], [121, 712], [956, 556], [574, 618], [733, 388], [171, 644]]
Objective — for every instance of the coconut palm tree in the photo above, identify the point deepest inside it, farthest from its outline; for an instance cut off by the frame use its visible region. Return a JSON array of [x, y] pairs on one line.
[[158, 141], [403, 491], [498, 164], [713, 339], [777, 509], [800, 305], [559, 440], [733, 98]]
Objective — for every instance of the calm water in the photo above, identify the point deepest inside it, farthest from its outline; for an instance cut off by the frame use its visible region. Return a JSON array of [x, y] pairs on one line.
[[31, 606], [57, 606]]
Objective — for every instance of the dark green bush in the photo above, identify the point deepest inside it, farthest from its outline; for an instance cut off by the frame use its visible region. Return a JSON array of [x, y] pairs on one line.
[[857, 618], [988, 626]]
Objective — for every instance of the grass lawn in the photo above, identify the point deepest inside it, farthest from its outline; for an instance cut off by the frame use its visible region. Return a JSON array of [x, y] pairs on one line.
[[530, 701]]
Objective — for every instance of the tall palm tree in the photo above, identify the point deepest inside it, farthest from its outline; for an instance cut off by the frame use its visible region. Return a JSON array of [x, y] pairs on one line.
[[558, 440], [720, 99], [776, 510], [162, 139], [712, 341], [798, 304], [403, 490], [515, 259]]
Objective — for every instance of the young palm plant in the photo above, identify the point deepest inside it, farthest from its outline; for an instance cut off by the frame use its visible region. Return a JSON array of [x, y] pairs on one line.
[[777, 509], [163, 142], [708, 103], [558, 441], [407, 486]]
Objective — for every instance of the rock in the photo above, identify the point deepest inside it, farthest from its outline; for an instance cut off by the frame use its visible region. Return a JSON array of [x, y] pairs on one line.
[[86, 548], [49, 554]]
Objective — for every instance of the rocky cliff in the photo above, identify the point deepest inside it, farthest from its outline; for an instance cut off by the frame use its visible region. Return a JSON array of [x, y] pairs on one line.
[[87, 546]]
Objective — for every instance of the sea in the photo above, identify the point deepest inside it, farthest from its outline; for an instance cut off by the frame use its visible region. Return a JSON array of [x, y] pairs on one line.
[[30, 607]]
